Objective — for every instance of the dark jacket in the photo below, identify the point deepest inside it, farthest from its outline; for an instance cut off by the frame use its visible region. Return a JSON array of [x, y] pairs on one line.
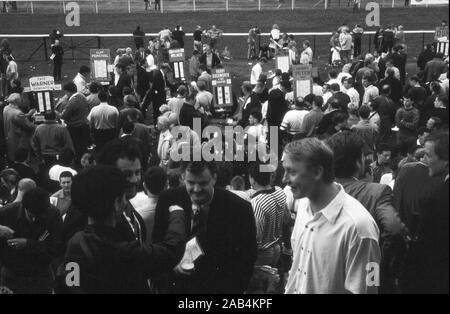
[[276, 107], [424, 57], [413, 193], [138, 36], [253, 105], [229, 243], [387, 111], [158, 81], [434, 68], [124, 81], [76, 221], [142, 81], [179, 37], [187, 115], [396, 88], [326, 122], [44, 240], [215, 60], [379, 202], [59, 52], [77, 111], [426, 268], [109, 265]]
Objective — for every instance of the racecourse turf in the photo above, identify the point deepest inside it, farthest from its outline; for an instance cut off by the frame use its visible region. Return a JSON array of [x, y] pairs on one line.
[[315, 20]]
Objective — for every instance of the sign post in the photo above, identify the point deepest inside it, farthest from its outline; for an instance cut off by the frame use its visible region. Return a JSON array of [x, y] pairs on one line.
[[440, 32], [282, 61], [42, 88], [302, 74], [176, 59], [222, 90], [100, 59]]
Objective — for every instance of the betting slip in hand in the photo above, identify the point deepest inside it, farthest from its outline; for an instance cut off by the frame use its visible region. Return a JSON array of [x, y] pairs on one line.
[[52, 56], [191, 253]]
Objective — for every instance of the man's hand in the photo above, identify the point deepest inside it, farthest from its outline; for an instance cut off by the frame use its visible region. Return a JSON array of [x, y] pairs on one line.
[[31, 112], [17, 244], [6, 232], [187, 271]]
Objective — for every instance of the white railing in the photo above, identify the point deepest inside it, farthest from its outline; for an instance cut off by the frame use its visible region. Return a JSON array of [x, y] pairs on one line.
[[134, 6]]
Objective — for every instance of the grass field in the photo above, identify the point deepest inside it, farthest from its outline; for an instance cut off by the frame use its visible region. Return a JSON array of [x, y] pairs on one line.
[[235, 21]]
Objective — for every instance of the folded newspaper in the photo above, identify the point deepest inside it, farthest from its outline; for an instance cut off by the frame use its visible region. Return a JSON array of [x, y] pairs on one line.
[[191, 253]]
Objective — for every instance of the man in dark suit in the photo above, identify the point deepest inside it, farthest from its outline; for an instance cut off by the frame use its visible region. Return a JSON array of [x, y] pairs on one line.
[[142, 79], [57, 53], [124, 78], [277, 105], [209, 58], [434, 68], [251, 103], [222, 224], [387, 110], [108, 264], [426, 269], [157, 92], [348, 148], [126, 155]]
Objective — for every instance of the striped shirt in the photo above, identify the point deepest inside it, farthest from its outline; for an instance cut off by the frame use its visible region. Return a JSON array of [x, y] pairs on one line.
[[269, 207]]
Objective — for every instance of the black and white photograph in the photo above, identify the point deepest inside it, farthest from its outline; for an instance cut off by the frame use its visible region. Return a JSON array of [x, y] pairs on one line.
[[224, 153]]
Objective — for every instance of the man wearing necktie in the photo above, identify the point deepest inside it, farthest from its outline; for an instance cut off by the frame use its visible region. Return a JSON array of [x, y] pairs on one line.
[[157, 94], [222, 227], [125, 154]]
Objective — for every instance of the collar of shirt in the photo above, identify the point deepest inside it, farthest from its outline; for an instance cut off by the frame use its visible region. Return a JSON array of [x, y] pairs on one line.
[[333, 209], [204, 207], [268, 191], [166, 134], [50, 122]]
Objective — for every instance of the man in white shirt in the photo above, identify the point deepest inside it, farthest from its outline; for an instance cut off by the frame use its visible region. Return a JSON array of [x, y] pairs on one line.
[[370, 91], [103, 121], [307, 53], [12, 72], [293, 119], [345, 40], [176, 103], [164, 141], [257, 69], [335, 239], [155, 181], [81, 79], [351, 92], [333, 78], [256, 129], [204, 98]]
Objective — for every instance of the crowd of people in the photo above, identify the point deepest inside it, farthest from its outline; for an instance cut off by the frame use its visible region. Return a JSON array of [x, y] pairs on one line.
[[360, 186]]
